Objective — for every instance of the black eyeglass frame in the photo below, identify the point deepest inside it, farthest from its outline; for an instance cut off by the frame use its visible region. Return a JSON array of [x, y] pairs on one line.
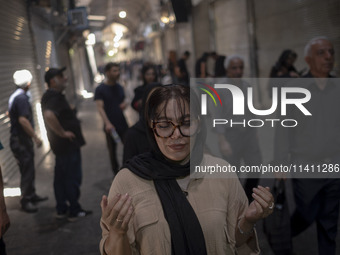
[[154, 123]]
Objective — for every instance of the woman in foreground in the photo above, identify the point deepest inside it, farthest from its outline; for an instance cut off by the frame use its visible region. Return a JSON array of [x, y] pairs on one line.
[[154, 207]]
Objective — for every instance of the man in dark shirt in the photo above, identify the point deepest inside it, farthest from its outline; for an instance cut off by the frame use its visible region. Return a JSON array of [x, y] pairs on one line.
[[181, 71], [109, 98], [65, 136], [22, 134], [219, 65], [314, 142]]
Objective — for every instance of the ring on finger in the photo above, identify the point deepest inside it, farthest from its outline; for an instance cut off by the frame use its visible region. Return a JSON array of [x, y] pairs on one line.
[[271, 207], [119, 220]]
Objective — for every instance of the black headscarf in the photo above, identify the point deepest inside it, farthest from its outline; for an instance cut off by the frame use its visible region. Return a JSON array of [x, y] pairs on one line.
[[186, 233], [282, 62]]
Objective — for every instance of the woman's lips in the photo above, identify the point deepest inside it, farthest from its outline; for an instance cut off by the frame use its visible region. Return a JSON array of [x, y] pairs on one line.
[[177, 147]]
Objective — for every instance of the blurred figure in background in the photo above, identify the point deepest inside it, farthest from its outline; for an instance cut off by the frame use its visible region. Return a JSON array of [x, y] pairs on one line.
[[219, 70], [22, 137], [201, 69], [136, 141], [172, 63], [182, 73], [149, 75], [284, 67], [4, 219], [238, 143], [110, 100]]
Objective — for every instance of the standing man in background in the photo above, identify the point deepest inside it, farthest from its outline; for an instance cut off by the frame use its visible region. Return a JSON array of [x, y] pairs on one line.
[[110, 101], [22, 137], [315, 142], [65, 136]]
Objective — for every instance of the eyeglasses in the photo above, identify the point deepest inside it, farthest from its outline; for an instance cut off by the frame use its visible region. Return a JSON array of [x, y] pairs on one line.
[[165, 129]]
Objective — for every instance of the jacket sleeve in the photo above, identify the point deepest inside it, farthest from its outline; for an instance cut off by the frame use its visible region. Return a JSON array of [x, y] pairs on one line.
[[238, 204], [118, 186]]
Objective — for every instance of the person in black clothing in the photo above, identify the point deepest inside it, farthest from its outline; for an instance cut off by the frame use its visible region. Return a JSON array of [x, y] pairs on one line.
[[149, 74], [110, 100], [201, 69], [22, 137], [182, 72], [136, 141], [219, 64], [65, 137]]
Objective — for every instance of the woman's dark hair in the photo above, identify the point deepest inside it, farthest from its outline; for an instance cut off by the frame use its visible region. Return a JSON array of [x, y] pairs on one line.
[[163, 94], [146, 68], [205, 56], [282, 62]]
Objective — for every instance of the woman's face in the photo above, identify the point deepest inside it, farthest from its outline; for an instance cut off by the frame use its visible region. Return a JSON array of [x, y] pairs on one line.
[[176, 147], [150, 76], [290, 60]]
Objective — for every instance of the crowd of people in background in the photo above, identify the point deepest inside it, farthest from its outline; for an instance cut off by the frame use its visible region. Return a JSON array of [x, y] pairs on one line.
[[162, 112]]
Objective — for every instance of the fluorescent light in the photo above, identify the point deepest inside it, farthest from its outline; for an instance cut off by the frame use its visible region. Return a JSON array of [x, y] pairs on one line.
[[96, 17], [12, 192], [91, 39]]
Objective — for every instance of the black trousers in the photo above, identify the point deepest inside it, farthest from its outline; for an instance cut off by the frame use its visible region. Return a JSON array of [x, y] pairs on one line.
[[2, 247], [317, 200], [23, 151]]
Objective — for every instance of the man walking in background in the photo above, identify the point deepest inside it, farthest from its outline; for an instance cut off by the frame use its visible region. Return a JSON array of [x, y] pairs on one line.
[[109, 98], [66, 138], [315, 142], [22, 137]]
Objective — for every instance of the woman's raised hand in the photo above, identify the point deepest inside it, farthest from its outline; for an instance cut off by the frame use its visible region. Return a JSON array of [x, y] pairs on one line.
[[117, 213], [262, 206]]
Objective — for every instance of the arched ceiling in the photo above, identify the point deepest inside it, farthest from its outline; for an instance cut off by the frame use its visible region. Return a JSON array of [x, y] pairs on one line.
[[138, 12]]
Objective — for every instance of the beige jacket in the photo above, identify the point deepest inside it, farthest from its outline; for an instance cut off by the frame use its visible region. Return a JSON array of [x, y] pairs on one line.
[[218, 204]]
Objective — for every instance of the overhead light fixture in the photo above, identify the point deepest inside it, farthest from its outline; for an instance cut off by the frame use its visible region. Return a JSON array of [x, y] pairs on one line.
[[96, 17], [165, 19], [91, 39], [111, 53], [122, 14]]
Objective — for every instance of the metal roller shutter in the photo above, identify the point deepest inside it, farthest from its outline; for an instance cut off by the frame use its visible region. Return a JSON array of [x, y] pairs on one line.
[[16, 52]]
